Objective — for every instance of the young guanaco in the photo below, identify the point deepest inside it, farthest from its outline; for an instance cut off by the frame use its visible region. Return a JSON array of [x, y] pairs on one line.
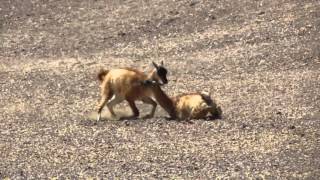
[[196, 106], [131, 85]]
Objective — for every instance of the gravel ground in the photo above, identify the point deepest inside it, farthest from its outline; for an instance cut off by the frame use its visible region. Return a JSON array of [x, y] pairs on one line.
[[260, 60]]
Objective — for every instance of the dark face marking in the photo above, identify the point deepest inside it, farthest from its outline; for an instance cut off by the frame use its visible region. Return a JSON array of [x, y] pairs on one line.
[[162, 73]]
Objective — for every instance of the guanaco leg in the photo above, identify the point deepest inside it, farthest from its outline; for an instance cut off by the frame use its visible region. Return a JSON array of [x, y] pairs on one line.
[[150, 101], [105, 99], [106, 94], [134, 109], [101, 104], [112, 102]]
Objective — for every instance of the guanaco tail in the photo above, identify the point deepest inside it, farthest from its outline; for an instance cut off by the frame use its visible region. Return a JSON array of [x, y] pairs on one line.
[[131, 85], [196, 106]]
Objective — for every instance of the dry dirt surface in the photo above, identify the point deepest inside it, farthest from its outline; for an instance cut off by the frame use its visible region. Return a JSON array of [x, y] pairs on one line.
[[259, 58]]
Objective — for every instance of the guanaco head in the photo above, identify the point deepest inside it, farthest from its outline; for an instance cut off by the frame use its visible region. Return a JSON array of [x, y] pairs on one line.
[[159, 74]]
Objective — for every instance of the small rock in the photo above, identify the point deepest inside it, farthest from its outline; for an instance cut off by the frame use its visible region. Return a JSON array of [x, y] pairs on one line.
[[121, 34], [292, 127], [126, 123], [212, 17], [174, 12], [237, 168], [243, 126], [193, 3]]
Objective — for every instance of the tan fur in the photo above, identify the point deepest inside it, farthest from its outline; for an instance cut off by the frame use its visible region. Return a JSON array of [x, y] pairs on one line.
[[196, 106], [127, 84]]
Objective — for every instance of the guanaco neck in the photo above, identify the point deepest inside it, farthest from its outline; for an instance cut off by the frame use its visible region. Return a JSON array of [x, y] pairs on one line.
[[164, 101], [152, 75]]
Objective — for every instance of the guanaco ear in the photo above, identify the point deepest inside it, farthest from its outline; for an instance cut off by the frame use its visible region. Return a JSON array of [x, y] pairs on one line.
[[161, 63], [155, 65]]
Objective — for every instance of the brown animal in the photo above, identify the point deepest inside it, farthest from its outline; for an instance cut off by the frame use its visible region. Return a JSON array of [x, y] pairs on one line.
[[196, 106], [129, 84]]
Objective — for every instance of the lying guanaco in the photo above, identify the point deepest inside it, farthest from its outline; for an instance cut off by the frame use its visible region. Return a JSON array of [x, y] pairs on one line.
[[129, 84], [196, 106]]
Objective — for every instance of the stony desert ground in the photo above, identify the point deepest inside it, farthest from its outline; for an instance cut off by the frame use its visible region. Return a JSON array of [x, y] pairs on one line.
[[260, 59]]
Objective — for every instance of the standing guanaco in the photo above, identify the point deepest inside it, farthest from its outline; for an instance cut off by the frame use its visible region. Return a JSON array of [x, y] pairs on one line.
[[129, 84]]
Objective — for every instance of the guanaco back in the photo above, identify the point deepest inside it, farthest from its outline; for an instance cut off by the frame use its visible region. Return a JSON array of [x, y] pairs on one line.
[[131, 85], [196, 106]]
